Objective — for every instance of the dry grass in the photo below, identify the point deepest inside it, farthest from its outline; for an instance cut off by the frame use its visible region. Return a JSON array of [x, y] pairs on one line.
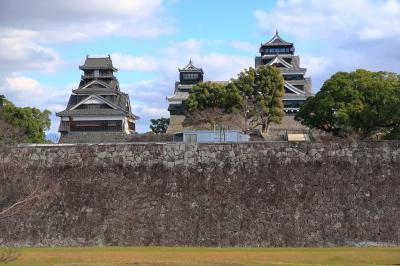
[[8, 255], [124, 256]]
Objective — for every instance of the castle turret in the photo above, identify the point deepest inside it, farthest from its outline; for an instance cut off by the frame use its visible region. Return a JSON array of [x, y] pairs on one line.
[[188, 76]]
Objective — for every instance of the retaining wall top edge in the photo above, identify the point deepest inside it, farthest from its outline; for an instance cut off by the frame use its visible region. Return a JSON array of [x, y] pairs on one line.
[[255, 143]]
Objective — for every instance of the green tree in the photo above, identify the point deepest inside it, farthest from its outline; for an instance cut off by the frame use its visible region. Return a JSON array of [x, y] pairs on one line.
[[262, 90], [213, 95], [160, 125], [31, 121], [361, 102], [2, 98], [212, 103]]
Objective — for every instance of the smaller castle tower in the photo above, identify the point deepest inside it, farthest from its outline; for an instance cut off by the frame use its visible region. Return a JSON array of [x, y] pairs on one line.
[[188, 77]]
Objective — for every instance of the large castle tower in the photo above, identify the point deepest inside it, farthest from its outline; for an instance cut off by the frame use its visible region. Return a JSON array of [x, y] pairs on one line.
[[280, 53]]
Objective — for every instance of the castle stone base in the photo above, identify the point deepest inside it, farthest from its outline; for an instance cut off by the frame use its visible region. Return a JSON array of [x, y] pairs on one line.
[[94, 137], [175, 124]]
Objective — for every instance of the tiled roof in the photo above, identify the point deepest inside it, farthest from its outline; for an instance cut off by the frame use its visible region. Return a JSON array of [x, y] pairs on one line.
[[179, 96], [121, 102], [98, 63], [292, 96], [92, 90], [277, 59], [190, 67], [293, 88], [277, 41], [91, 112]]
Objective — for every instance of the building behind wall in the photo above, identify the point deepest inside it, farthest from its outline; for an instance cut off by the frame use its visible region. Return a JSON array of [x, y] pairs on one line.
[[280, 53], [189, 76], [276, 52], [97, 106], [204, 136]]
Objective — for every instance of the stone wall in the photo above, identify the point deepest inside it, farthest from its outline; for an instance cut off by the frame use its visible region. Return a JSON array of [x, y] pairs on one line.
[[237, 194], [175, 124], [111, 137]]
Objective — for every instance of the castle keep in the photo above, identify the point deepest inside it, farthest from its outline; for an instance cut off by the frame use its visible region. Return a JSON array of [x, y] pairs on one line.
[[280, 53], [97, 105]]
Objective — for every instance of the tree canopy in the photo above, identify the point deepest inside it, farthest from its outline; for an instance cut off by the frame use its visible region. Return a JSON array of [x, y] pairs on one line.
[[257, 93], [262, 90], [213, 95], [160, 125], [361, 102], [31, 121]]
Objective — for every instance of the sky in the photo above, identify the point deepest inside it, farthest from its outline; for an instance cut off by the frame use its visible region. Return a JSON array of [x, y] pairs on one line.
[[43, 42]]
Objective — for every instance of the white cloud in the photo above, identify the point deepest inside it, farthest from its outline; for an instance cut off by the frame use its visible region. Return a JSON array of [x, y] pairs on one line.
[[151, 111], [135, 63], [184, 48], [371, 34], [392, 7], [24, 85], [56, 107], [18, 51], [316, 65], [86, 19], [334, 19], [244, 46], [28, 28], [25, 91], [220, 67]]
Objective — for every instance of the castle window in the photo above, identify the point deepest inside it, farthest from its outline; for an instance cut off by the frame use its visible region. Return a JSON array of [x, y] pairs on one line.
[[190, 76], [97, 73], [278, 50], [86, 123]]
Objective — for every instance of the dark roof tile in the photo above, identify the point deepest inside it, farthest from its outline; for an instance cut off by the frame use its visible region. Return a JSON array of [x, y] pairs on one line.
[[91, 112], [98, 63]]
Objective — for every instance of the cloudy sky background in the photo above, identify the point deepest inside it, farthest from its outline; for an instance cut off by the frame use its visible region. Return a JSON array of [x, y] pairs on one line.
[[43, 42]]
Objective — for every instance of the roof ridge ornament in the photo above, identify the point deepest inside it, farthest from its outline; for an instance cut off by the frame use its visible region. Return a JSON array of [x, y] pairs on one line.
[[276, 40], [190, 67]]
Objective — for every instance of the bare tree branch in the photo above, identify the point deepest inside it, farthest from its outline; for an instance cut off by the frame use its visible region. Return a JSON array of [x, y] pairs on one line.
[[3, 213], [38, 193]]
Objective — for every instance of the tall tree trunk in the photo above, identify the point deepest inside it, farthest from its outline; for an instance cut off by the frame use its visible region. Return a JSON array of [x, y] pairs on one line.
[[265, 126]]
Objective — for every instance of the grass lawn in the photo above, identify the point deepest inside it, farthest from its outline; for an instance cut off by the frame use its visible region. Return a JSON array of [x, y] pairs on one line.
[[125, 256]]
